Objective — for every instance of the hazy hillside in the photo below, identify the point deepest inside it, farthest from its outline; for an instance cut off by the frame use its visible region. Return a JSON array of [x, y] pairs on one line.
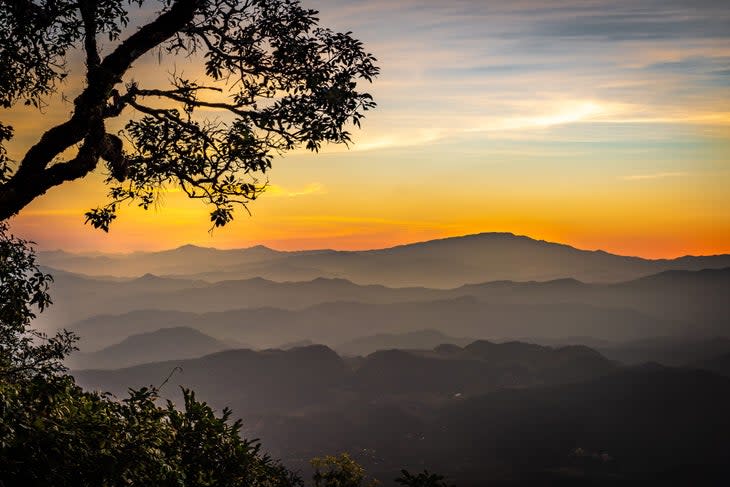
[[698, 298], [77, 297], [664, 304], [258, 382], [336, 323], [442, 263], [477, 368], [162, 344], [106, 330], [676, 351], [420, 339], [187, 259], [80, 297], [253, 382]]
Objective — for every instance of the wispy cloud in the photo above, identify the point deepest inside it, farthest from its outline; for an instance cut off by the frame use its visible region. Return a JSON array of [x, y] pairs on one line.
[[309, 189], [657, 175]]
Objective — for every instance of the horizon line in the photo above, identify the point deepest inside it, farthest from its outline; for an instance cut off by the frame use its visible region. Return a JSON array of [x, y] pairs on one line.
[[407, 244]]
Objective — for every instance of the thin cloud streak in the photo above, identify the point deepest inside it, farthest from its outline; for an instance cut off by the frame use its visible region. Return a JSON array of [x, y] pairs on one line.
[[658, 175], [274, 190]]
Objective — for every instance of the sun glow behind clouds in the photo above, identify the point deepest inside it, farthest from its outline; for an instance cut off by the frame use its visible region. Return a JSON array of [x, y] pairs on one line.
[[544, 116], [567, 112], [603, 124]]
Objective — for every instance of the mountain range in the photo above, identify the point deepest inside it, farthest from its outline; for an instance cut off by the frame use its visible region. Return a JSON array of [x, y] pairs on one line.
[[333, 311], [259, 382], [162, 344], [443, 263], [493, 358]]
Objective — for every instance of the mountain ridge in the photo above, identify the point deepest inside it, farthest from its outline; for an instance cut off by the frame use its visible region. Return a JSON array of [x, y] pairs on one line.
[[672, 303], [495, 234], [439, 263]]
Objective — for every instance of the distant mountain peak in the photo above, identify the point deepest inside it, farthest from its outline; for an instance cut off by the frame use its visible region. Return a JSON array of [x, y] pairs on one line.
[[148, 277], [261, 247], [191, 247], [331, 280]]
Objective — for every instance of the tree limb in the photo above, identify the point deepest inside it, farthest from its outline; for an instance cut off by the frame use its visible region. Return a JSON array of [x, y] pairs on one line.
[[33, 178]]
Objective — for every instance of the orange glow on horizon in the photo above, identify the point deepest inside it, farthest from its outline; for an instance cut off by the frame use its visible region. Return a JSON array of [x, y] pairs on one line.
[[619, 146], [53, 234]]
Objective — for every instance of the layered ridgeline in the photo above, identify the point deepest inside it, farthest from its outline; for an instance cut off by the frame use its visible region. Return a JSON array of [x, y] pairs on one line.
[[512, 412], [445, 263], [175, 343], [316, 377], [487, 356], [265, 313]]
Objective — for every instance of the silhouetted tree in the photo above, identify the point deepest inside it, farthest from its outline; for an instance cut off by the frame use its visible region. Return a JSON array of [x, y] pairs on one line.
[[282, 80], [338, 471], [54, 433], [25, 352], [422, 479]]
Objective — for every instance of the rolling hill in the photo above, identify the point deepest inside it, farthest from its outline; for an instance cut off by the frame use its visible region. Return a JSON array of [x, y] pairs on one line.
[[290, 381], [163, 344], [419, 339], [339, 322]]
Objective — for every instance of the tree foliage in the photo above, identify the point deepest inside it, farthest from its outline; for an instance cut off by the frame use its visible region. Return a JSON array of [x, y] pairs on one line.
[[338, 471], [26, 352], [421, 479], [275, 78], [54, 433]]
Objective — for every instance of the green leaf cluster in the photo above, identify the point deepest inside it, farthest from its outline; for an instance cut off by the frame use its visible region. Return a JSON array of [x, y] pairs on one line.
[[54, 433]]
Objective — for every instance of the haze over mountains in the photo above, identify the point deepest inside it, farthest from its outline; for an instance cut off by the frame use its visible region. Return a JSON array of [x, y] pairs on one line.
[[444, 263], [162, 344], [485, 356], [265, 313]]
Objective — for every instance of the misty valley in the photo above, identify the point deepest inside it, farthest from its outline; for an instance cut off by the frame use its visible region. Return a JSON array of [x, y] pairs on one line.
[[492, 359]]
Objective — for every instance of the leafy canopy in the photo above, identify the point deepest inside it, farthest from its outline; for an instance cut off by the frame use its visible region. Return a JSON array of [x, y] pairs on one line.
[[25, 352], [54, 433], [273, 76], [338, 471]]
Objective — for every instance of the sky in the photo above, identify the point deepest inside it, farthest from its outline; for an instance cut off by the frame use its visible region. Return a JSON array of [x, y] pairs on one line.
[[603, 125]]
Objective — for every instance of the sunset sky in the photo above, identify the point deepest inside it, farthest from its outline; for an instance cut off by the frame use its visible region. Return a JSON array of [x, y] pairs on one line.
[[594, 123]]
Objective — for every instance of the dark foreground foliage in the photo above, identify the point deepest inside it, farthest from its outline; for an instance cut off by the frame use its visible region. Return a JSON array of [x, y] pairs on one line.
[[54, 433]]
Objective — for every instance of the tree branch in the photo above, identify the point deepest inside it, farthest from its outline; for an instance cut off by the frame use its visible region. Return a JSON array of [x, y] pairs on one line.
[[32, 179], [88, 14], [176, 96]]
